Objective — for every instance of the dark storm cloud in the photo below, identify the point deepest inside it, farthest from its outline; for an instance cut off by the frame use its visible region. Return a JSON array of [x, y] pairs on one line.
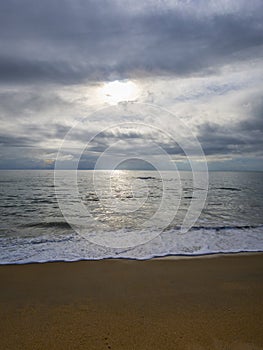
[[73, 41]]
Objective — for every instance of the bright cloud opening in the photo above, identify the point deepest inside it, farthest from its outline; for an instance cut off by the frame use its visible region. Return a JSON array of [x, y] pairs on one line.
[[118, 91]]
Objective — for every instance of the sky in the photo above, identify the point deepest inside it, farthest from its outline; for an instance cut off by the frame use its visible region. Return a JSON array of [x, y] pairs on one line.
[[61, 61]]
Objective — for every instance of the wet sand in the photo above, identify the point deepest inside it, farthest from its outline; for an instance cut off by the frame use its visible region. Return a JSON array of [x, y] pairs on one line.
[[193, 303]]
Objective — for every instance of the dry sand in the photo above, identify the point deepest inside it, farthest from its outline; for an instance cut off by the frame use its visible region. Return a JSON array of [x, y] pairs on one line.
[[193, 303]]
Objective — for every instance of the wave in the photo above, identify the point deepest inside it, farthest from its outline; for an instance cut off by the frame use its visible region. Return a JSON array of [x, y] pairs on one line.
[[146, 178], [228, 227], [51, 240], [200, 240], [48, 224], [65, 225], [229, 188]]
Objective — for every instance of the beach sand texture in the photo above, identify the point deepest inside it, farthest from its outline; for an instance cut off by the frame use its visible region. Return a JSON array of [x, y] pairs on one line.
[[193, 303]]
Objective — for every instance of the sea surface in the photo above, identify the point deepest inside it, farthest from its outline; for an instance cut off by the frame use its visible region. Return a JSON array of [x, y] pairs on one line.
[[33, 228]]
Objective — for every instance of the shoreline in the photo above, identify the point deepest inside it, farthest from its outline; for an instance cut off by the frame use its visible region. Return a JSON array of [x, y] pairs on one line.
[[162, 257], [190, 303]]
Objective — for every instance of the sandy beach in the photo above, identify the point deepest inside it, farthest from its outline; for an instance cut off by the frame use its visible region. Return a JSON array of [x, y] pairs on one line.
[[193, 303]]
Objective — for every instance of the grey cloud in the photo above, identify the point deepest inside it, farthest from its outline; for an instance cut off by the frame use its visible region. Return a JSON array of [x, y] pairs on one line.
[[71, 42], [15, 141], [74, 41], [19, 103], [31, 135], [243, 137], [254, 122], [24, 157]]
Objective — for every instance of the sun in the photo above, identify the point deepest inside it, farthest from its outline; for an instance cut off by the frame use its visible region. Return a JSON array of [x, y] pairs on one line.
[[119, 91]]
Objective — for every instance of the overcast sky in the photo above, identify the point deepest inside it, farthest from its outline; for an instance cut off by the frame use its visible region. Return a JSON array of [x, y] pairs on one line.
[[201, 60]]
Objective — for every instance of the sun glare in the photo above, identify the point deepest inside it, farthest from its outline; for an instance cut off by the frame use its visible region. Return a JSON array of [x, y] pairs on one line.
[[118, 91]]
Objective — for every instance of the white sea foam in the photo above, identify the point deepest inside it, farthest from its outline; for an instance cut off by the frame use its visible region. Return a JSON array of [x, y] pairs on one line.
[[72, 247]]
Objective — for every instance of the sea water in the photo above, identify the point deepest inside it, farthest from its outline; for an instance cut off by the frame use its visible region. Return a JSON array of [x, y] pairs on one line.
[[34, 229]]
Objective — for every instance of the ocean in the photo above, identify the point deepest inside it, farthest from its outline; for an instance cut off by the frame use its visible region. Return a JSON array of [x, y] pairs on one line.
[[120, 221]]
